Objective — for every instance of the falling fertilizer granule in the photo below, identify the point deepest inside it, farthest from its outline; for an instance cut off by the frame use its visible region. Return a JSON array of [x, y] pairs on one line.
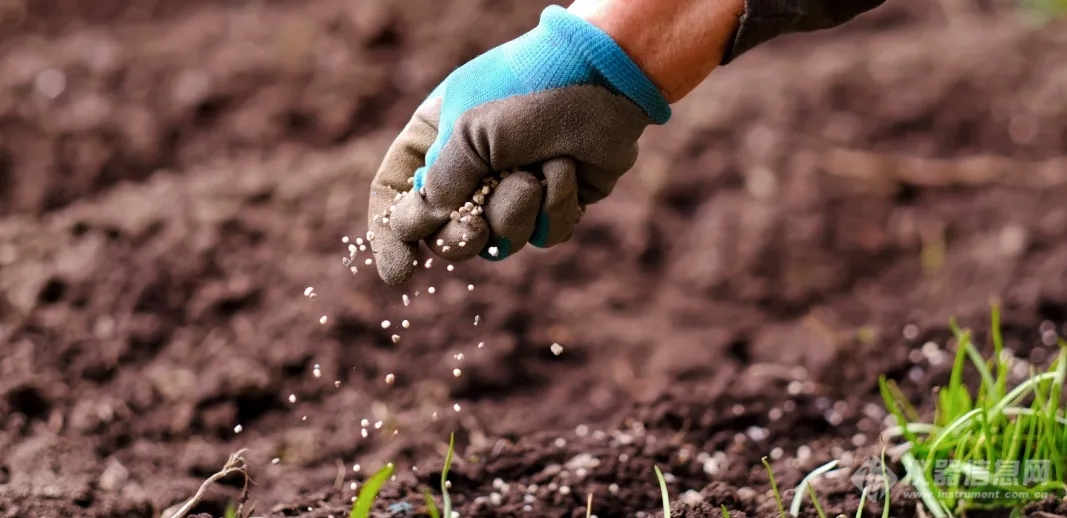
[[557, 349]]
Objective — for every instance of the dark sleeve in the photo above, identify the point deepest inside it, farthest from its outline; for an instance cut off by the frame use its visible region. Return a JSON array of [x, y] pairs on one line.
[[765, 20]]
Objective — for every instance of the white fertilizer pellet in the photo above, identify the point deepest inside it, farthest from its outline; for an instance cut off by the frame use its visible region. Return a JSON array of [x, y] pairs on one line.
[[405, 324], [386, 324], [322, 320], [396, 339], [494, 251], [456, 372], [390, 378], [557, 349]]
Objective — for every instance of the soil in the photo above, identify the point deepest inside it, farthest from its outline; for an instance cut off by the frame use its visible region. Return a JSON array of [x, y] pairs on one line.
[[173, 175]]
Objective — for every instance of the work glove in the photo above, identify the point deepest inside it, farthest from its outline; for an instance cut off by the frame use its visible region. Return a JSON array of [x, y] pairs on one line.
[[511, 147]]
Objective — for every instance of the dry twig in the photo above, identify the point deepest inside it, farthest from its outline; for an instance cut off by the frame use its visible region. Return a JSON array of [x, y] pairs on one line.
[[235, 464]]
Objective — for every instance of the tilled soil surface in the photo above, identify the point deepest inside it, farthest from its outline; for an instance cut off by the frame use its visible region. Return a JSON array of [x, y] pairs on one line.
[[174, 175]]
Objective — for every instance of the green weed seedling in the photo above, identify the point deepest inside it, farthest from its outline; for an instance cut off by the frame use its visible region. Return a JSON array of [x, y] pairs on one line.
[[365, 500], [663, 492], [430, 505], [991, 448]]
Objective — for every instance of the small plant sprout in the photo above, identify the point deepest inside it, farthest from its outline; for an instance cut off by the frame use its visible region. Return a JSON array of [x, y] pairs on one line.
[[990, 448], [774, 488], [805, 487], [371, 488], [447, 500], [663, 492]]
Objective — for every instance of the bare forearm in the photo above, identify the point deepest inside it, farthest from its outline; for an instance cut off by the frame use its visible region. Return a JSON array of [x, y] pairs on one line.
[[677, 43]]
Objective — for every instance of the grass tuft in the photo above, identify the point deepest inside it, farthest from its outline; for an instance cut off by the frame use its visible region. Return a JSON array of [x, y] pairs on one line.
[[365, 500], [990, 447]]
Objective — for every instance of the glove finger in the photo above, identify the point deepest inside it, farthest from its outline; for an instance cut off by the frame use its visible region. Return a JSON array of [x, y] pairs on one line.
[[393, 256], [395, 259], [511, 212], [560, 211], [462, 238], [439, 191]]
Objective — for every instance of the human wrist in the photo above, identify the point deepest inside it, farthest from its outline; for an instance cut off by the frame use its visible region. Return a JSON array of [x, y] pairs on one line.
[[676, 43]]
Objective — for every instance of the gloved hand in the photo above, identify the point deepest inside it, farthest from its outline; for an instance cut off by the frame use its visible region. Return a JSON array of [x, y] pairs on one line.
[[563, 104]]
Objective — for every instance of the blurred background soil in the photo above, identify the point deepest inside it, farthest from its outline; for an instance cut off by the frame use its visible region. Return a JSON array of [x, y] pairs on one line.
[[173, 175]]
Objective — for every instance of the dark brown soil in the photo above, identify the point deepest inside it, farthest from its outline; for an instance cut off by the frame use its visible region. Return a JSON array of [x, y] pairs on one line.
[[174, 175]]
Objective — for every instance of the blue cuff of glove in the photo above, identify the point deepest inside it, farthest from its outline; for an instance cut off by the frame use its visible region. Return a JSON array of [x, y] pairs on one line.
[[608, 58]]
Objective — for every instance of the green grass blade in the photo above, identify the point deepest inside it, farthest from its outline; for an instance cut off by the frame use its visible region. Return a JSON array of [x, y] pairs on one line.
[[774, 487], [444, 476], [365, 500], [663, 492], [725, 511], [431, 507], [798, 497], [894, 405], [863, 502], [230, 512], [885, 484], [816, 503], [998, 349], [931, 502]]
